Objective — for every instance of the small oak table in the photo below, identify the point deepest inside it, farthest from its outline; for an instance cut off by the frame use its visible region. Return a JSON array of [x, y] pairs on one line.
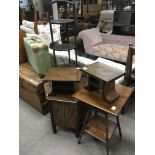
[[96, 125], [101, 76]]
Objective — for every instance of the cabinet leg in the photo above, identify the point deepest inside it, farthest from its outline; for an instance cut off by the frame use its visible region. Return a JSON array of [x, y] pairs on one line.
[[55, 61], [84, 124], [77, 122], [119, 127], [52, 118]]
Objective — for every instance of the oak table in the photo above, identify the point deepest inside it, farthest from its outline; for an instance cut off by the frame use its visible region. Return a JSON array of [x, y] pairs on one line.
[[102, 76], [96, 125]]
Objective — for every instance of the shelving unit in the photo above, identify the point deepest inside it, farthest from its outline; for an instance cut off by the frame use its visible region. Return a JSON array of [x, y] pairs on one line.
[[124, 22], [63, 23]]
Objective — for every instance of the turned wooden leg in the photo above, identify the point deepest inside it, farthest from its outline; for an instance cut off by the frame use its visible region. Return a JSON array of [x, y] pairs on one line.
[[84, 124], [119, 127], [107, 133], [52, 117]]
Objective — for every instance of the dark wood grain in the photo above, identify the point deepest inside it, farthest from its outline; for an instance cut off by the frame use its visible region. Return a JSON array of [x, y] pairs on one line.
[[97, 128], [63, 74], [95, 99], [67, 114], [103, 72]]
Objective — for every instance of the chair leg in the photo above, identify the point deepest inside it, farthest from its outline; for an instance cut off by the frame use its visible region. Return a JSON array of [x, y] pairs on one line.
[[55, 61]]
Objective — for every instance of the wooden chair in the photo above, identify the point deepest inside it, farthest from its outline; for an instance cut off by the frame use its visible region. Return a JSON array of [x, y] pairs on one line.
[[129, 76]]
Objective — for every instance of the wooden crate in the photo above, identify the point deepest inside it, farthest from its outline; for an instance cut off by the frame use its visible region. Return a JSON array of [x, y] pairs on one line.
[[31, 88]]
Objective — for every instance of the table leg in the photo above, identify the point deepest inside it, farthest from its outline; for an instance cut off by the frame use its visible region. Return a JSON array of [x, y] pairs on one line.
[[107, 133], [84, 124], [55, 61], [119, 127], [69, 59], [52, 117]]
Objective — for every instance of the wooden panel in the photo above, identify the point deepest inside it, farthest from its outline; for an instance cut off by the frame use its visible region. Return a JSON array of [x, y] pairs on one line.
[[97, 128], [65, 114], [35, 100], [22, 51], [27, 74], [95, 99], [63, 74]]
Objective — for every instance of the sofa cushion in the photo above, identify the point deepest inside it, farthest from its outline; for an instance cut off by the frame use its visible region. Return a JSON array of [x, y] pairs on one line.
[[111, 51], [118, 39]]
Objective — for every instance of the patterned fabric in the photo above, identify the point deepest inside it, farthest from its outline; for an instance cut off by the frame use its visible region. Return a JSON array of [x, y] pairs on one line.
[[111, 51], [118, 39], [45, 30], [90, 38], [28, 24], [27, 29]]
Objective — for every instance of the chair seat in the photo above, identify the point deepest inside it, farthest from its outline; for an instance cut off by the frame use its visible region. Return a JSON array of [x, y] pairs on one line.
[[62, 47]]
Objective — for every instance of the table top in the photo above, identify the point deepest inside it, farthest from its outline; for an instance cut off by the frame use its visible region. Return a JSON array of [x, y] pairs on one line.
[[65, 74], [61, 21], [103, 72], [96, 100]]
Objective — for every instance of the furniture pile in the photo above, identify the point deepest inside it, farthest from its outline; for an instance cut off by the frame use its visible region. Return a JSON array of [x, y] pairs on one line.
[[75, 95]]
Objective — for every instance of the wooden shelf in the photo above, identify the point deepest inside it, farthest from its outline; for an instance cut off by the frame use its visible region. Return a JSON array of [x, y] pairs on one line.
[[97, 128]]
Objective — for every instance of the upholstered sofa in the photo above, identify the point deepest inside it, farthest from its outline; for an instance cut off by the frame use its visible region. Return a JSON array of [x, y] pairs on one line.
[[109, 46]]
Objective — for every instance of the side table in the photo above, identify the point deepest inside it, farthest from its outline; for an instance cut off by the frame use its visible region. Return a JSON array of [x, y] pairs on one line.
[[65, 111], [98, 126]]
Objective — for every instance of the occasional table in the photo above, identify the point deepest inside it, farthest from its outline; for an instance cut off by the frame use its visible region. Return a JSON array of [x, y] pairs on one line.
[[101, 76], [101, 93]]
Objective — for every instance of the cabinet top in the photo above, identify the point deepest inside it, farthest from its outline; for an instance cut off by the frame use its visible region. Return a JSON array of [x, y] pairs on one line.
[[67, 74]]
